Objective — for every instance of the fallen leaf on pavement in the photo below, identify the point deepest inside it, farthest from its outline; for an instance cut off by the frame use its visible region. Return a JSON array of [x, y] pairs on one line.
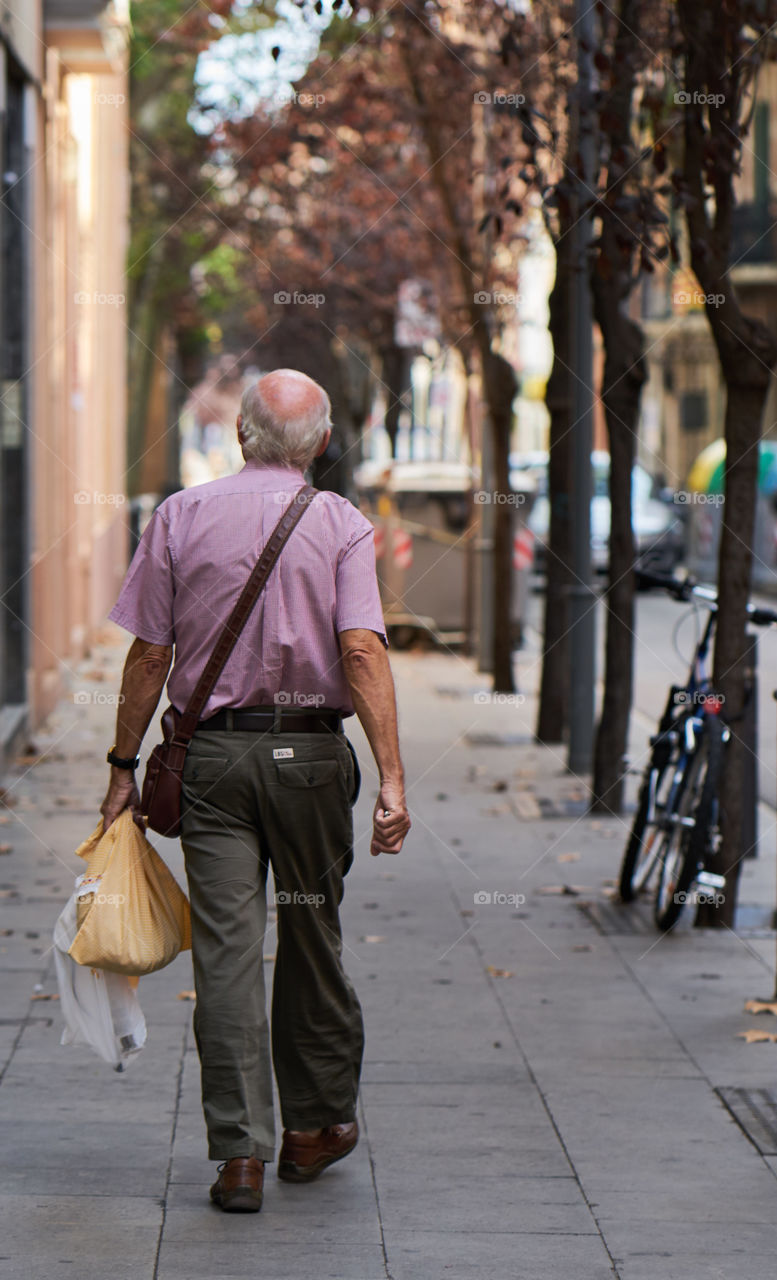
[[583, 946], [571, 889], [6, 848], [186, 995], [761, 1006], [568, 857], [754, 1037], [499, 973], [466, 913], [42, 996], [372, 937]]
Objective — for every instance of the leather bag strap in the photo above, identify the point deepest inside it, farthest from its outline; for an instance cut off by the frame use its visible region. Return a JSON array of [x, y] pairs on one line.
[[237, 619]]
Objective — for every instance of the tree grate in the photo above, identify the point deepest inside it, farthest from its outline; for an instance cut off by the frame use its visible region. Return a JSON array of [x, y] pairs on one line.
[[616, 918], [613, 919], [755, 1111]]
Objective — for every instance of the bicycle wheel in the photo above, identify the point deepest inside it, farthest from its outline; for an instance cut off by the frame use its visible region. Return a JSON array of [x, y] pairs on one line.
[[640, 854], [684, 846], [707, 816]]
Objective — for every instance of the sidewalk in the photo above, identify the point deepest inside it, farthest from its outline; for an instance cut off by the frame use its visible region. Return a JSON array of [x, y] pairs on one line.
[[539, 1093]]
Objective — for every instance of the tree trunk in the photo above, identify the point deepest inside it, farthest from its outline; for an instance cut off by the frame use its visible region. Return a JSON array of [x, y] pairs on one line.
[[144, 328], [499, 385], [714, 64], [744, 410], [394, 374], [553, 713], [624, 374], [498, 378]]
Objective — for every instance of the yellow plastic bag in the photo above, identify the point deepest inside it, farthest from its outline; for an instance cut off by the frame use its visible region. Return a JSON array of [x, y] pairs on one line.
[[133, 916]]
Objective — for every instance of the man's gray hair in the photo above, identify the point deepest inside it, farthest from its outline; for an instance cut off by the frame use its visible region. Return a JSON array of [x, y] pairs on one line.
[[291, 440]]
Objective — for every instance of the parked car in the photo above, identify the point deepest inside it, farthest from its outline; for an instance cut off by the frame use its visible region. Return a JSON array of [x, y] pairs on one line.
[[659, 530]]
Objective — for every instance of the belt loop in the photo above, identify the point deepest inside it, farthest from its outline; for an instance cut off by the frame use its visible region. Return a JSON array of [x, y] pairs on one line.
[[230, 717], [276, 720]]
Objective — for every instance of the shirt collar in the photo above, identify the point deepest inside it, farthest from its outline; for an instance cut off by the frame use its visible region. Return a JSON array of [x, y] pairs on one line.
[[272, 476]]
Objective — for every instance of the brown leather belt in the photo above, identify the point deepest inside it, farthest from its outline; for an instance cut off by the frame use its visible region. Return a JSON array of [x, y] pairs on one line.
[[264, 719]]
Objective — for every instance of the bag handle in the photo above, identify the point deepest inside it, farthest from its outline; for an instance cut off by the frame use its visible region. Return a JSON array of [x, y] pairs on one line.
[[237, 619]]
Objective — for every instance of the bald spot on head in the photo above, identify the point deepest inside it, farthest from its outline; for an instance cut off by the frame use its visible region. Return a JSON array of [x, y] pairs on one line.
[[289, 393], [284, 419]]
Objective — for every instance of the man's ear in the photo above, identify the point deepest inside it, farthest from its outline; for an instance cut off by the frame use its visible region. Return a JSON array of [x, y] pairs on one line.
[[240, 427], [325, 442]]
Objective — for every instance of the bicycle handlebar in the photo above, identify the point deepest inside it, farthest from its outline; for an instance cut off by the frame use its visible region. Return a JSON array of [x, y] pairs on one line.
[[679, 587], [684, 589]]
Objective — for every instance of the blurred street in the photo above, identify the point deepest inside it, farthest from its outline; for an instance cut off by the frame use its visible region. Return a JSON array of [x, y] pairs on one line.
[[540, 1087]]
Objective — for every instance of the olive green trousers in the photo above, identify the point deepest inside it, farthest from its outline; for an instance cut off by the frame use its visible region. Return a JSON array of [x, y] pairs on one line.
[[252, 801]]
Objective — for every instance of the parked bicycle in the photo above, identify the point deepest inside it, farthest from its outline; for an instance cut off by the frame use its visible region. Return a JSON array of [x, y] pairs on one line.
[[676, 827]]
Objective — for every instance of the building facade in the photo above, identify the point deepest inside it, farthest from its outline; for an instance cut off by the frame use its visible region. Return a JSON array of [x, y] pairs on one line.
[[63, 239]]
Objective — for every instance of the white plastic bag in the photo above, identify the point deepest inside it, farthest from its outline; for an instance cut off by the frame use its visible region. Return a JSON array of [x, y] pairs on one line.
[[100, 1009]]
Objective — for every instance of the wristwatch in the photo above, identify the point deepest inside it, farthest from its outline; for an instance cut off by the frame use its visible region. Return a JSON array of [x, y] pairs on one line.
[[121, 762]]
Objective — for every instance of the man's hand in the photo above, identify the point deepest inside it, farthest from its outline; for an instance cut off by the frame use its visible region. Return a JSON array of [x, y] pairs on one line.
[[390, 821], [368, 674], [145, 673], [122, 794]]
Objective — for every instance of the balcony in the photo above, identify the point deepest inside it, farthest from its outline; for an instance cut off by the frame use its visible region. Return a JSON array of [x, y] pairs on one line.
[[90, 35]]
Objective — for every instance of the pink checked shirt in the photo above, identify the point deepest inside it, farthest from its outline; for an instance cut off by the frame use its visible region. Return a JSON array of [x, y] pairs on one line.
[[194, 559]]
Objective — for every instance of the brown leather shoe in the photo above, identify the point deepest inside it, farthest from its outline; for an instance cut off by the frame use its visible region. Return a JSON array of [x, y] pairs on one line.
[[304, 1156], [238, 1188]]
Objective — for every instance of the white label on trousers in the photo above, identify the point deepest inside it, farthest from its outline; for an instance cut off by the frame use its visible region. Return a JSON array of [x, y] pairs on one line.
[[283, 753]]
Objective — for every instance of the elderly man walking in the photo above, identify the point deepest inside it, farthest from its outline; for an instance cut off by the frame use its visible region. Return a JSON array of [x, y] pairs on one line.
[[269, 780]]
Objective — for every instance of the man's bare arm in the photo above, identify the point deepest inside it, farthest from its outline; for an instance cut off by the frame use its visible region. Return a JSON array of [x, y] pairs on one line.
[[368, 673], [145, 672]]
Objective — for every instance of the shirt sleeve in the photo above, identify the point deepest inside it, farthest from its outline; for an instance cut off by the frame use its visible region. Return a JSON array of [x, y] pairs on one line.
[[358, 598], [145, 603]]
